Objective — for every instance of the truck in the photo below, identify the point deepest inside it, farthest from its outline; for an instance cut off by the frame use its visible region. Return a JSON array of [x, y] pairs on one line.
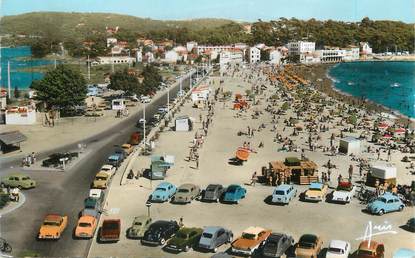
[[110, 230]]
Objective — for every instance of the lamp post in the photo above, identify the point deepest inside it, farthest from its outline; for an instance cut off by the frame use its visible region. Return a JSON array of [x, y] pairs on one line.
[[148, 204], [144, 126], [168, 99]]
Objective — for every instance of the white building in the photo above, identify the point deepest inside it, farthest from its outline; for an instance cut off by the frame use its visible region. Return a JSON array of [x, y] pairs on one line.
[[115, 60], [20, 116], [191, 45], [230, 57], [201, 93], [349, 145], [171, 57], [331, 55], [118, 104], [139, 56], [111, 42], [352, 54], [300, 47], [365, 49], [310, 58], [254, 55], [202, 49], [275, 57], [149, 57]]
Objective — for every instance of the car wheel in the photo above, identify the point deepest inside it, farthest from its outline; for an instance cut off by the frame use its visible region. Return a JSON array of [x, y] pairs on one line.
[[162, 241], [215, 249], [381, 212], [401, 208], [187, 248], [217, 199], [237, 201]]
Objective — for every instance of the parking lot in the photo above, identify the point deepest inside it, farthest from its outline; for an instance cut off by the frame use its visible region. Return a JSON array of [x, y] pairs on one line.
[[327, 220]]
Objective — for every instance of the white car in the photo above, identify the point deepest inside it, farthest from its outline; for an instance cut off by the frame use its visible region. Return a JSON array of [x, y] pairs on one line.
[[145, 99], [338, 249], [344, 192], [109, 169]]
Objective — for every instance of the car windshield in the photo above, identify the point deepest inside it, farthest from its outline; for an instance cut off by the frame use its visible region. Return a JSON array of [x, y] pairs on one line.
[[207, 235], [365, 252], [382, 199], [335, 250], [160, 189], [138, 223], [25, 178], [183, 190], [279, 192], [306, 245], [232, 190], [84, 225], [110, 225], [105, 169], [181, 235], [51, 223], [100, 178], [315, 189], [248, 236]]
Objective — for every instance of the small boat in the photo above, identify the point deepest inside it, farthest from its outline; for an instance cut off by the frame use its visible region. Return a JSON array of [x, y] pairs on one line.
[[350, 83], [242, 154], [395, 85]]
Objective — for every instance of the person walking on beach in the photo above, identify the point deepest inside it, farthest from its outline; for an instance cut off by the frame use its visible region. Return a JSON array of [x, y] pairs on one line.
[[253, 179], [350, 172], [389, 154], [329, 174], [197, 161]]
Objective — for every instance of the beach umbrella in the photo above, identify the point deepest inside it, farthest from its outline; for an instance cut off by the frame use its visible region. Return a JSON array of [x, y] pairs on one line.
[[388, 136]]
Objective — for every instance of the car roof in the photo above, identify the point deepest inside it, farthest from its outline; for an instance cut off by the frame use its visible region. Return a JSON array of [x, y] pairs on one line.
[[275, 236], [340, 244], [160, 223], [164, 184], [316, 185], [17, 175], [388, 196], [368, 245], [283, 187], [107, 166], [233, 187], [53, 217], [211, 229], [86, 218], [95, 192], [102, 173], [213, 186], [309, 238], [253, 230], [187, 186]]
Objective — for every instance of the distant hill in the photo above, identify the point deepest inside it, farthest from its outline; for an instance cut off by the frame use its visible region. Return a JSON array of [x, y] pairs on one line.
[[77, 25]]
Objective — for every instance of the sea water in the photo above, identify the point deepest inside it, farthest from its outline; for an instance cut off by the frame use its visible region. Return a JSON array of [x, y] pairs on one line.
[[19, 58], [391, 84]]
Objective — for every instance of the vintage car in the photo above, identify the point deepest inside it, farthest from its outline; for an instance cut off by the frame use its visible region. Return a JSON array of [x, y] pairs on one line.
[[283, 194], [97, 194], [184, 239], [214, 237], [277, 244], [316, 192], [159, 232], [92, 207], [186, 193], [343, 193], [213, 192], [115, 159], [404, 253], [20, 181], [308, 246], [250, 240], [86, 227], [128, 148], [338, 249], [53, 226], [234, 193], [110, 230], [139, 226], [385, 203], [101, 180], [109, 169], [410, 224], [163, 192], [370, 249]]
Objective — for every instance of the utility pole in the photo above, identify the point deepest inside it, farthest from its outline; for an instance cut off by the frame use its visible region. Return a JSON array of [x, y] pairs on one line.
[[168, 99], [144, 126], [89, 69], [9, 84], [112, 62], [129, 51]]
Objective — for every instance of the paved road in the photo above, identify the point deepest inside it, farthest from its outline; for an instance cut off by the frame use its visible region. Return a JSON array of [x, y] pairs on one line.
[[64, 192]]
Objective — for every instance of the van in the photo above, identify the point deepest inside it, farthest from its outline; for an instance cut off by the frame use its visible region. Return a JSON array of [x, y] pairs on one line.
[[283, 194]]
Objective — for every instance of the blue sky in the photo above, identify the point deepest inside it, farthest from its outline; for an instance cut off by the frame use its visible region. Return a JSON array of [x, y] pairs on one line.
[[246, 10]]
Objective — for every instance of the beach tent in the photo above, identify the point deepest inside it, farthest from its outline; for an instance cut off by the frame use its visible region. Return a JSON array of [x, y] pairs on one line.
[[118, 104], [160, 165], [349, 145], [183, 124], [382, 171]]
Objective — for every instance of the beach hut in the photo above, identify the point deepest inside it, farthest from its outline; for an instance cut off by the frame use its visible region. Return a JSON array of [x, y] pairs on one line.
[[160, 165], [183, 124], [383, 172], [349, 145], [118, 104], [301, 172]]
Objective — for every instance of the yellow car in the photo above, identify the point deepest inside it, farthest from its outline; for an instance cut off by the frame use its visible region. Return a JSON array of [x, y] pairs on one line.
[[53, 226], [101, 180], [128, 148], [86, 227], [316, 193]]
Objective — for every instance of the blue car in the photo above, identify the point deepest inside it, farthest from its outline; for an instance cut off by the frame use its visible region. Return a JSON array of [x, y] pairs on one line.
[[163, 192], [234, 193], [385, 203], [115, 160]]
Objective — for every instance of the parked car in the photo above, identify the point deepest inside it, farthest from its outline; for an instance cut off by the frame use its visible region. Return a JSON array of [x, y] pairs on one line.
[[53, 226], [214, 237], [308, 246], [234, 193], [110, 230], [128, 148], [410, 224], [277, 245], [213, 192], [283, 194], [121, 152], [370, 249], [145, 99], [20, 181], [250, 240], [186, 193], [343, 193], [184, 239], [163, 192], [86, 226], [115, 160], [97, 194], [139, 226], [109, 169], [385, 203], [338, 249], [316, 192], [92, 207], [159, 232], [101, 180]]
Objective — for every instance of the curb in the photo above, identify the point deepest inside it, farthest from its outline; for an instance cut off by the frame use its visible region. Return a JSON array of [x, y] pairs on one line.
[[19, 204]]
